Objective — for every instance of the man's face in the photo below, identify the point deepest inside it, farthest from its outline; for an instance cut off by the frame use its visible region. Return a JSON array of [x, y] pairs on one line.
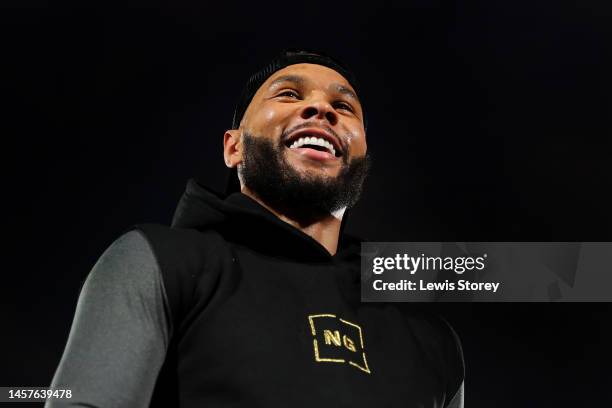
[[308, 100], [303, 136]]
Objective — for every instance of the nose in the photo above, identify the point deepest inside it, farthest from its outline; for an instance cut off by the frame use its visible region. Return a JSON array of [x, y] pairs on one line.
[[320, 109]]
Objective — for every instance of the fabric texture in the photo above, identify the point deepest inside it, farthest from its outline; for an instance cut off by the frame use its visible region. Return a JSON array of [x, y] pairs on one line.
[[120, 331], [237, 308], [257, 302]]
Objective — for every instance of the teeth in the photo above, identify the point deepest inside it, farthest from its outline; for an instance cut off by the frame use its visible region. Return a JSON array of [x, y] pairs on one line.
[[316, 141]]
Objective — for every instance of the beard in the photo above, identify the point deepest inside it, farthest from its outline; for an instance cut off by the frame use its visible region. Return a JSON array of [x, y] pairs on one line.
[[305, 197]]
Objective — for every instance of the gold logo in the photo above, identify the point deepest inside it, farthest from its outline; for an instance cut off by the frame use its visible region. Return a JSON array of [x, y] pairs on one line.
[[337, 340]]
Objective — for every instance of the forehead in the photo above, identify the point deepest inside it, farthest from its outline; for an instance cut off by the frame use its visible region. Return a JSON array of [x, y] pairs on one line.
[[312, 74]]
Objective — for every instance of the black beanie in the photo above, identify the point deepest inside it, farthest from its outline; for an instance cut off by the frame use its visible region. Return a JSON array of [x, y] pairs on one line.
[[286, 58]]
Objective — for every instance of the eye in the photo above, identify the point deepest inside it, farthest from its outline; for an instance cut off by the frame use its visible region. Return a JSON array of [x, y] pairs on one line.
[[344, 106], [290, 93]]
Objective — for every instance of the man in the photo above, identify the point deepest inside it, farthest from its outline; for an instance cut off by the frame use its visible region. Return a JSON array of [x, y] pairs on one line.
[[253, 299]]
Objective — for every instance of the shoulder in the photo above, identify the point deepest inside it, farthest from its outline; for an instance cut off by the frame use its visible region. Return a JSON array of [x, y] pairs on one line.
[[166, 241], [129, 258], [439, 333], [439, 340], [188, 259], [127, 270], [419, 318], [184, 251]]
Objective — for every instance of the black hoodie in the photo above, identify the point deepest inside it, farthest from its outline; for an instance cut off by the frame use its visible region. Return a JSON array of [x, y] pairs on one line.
[[261, 315]]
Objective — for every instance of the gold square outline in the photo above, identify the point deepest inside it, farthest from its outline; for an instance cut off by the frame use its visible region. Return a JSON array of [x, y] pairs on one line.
[[364, 368]]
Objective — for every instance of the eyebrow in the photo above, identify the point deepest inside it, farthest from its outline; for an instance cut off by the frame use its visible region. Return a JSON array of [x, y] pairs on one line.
[[345, 91], [296, 79]]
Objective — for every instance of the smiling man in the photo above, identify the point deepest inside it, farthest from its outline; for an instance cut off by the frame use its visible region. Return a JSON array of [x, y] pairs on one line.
[[301, 149], [252, 298]]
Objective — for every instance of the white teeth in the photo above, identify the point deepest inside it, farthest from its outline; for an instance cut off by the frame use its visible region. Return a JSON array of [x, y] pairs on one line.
[[316, 141]]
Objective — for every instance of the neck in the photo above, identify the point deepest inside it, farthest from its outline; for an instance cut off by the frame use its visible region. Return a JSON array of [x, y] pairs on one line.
[[325, 231]]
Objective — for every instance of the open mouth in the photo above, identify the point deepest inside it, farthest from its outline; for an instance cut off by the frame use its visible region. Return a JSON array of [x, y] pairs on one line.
[[315, 143]]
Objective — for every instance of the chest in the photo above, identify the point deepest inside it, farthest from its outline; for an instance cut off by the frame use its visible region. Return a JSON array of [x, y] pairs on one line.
[[276, 333]]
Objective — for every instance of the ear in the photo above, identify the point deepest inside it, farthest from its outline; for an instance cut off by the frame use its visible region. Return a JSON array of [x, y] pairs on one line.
[[232, 148]]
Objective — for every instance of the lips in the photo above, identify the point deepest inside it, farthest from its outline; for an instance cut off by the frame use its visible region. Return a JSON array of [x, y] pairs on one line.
[[316, 139]]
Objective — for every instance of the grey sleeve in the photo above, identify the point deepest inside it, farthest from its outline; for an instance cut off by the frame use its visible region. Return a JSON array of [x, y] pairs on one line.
[[457, 401], [120, 332]]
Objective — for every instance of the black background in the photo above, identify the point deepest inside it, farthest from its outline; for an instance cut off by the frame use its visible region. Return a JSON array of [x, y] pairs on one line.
[[489, 121]]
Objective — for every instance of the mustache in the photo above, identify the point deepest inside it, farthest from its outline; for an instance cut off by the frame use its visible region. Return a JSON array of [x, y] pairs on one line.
[[312, 124]]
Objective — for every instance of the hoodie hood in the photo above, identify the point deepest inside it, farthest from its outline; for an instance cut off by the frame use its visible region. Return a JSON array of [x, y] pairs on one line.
[[243, 220]]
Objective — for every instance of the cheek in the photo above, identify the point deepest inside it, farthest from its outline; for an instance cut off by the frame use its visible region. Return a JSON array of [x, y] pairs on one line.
[[270, 115], [356, 142], [270, 122]]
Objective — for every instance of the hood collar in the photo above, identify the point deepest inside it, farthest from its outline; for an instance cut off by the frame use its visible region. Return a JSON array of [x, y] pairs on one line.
[[244, 221]]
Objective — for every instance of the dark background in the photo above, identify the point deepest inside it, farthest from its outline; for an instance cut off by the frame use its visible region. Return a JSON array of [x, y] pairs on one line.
[[489, 121]]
